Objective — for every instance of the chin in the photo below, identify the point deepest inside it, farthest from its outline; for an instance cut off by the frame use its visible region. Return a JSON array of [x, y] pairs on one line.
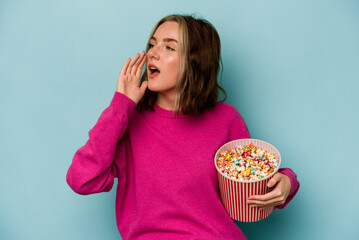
[[152, 87], [155, 86]]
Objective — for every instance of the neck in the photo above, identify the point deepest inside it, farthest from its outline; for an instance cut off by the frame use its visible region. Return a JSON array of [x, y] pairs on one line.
[[166, 101]]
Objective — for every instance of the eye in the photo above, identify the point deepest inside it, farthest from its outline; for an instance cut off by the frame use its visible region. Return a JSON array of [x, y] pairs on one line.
[[150, 45], [169, 48]]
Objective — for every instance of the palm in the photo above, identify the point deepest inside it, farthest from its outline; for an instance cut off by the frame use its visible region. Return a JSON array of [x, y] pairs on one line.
[[129, 80]]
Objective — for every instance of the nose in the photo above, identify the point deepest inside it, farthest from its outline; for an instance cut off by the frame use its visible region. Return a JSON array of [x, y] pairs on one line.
[[153, 53]]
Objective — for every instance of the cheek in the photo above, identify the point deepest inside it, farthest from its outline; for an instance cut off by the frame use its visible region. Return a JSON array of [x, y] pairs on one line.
[[173, 64]]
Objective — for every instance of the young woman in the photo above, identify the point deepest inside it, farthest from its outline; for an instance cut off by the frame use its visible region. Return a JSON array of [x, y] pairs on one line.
[[159, 136]]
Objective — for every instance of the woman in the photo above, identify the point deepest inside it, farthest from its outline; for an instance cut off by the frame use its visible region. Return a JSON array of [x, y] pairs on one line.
[[159, 137]]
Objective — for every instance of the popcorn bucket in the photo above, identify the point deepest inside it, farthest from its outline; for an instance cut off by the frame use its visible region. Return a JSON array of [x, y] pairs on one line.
[[235, 192]]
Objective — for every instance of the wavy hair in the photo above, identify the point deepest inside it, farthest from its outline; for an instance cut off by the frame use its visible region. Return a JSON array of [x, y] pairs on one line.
[[200, 62]]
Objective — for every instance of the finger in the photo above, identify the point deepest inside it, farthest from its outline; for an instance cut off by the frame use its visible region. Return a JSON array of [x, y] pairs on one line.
[[270, 203], [125, 66], [133, 61], [262, 203], [139, 69], [269, 198], [144, 86], [274, 180], [265, 197], [137, 63]]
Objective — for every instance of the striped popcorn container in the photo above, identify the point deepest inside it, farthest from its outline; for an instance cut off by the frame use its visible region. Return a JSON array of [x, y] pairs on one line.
[[234, 192]]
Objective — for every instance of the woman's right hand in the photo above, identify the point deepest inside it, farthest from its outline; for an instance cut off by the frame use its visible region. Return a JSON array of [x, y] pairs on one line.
[[128, 82]]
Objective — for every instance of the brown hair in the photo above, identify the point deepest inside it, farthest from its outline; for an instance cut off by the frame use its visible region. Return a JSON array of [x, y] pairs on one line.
[[200, 62]]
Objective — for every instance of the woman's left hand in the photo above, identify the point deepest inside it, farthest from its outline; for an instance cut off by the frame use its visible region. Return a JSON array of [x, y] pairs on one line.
[[274, 198]]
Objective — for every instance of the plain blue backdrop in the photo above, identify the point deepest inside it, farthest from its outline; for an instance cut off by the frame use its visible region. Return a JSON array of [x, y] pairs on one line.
[[291, 68]]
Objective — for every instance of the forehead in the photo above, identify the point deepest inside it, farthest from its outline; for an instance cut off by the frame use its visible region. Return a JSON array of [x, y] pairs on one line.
[[167, 30]]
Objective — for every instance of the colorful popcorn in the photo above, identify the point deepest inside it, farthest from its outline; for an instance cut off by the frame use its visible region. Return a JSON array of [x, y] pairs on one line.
[[247, 162]]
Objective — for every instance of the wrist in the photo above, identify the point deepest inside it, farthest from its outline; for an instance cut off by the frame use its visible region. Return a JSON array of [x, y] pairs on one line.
[[126, 97]]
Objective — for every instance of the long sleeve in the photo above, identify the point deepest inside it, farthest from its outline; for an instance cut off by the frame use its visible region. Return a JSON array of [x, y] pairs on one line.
[[294, 185], [92, 169]]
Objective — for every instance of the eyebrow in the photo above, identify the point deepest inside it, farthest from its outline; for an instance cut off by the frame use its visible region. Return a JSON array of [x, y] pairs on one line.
[[165, 40]]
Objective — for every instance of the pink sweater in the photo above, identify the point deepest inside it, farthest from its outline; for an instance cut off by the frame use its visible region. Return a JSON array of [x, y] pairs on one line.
[[167, 183]]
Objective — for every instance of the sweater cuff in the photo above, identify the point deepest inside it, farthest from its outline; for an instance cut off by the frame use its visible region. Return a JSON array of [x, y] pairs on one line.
[[121, 101], [294, 185]]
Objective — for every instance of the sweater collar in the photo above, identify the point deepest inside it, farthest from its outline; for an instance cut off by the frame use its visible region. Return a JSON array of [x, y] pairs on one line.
[[167, 113]]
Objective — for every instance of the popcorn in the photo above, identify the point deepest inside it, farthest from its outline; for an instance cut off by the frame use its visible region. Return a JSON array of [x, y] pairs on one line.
[[247, 162]]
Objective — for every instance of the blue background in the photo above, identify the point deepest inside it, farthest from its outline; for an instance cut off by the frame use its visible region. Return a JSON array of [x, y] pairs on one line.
[[291, 68]]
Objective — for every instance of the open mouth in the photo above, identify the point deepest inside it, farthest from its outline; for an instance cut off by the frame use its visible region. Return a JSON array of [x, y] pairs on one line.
[[153, 72]]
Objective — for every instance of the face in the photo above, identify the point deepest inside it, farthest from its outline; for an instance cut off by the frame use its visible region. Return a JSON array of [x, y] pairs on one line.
[[163, 59]]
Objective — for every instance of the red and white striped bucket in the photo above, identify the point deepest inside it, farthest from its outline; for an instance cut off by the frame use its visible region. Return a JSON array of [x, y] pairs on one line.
[[234, 192]]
